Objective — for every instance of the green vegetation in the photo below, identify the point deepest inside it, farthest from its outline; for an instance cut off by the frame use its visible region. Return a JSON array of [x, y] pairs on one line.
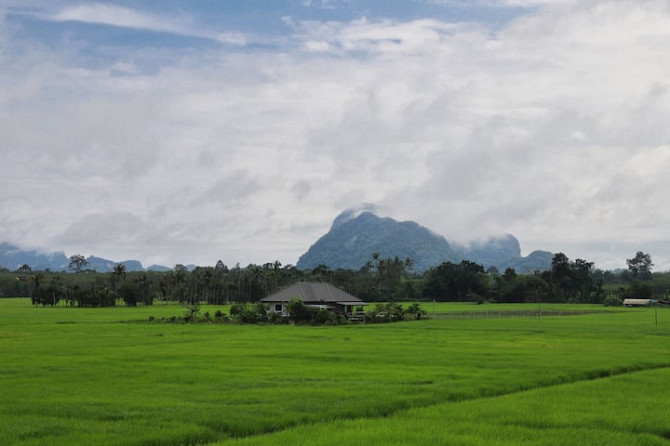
[[620, 410], [379, 280], [98, 376]]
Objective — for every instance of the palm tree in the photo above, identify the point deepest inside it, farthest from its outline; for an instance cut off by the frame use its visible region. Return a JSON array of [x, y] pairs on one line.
[[142, 281], [256, 282], [37, 281], [177, 280], [207, 276], [119, 274], [276, 269]]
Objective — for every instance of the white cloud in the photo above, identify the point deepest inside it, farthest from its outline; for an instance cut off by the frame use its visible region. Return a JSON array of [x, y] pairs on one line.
[[385, 37], [500, 3], [233, 38], [108, 14], [324, 4], [317, 45], [552, 129]]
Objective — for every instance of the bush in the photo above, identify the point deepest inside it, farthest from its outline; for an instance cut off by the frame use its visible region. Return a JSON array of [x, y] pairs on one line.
[[325, 317], [299, 313], [612, 301], [191, 313], [249, 313], [236, 309], [415, 311], [389, 312], [276, 318]]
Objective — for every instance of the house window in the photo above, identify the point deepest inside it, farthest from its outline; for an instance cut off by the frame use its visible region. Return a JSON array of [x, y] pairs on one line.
[[278, 307]]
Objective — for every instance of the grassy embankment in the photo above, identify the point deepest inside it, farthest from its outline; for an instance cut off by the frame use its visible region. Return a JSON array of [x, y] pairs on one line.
[[80, 376]]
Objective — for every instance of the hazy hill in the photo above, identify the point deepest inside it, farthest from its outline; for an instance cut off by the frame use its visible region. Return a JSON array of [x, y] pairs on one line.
[[104, 265], [12, 257], [505, 252], [354, 236]]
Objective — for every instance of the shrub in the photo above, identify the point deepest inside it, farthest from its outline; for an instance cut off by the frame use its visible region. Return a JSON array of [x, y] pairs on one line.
[[612, 301], [191, 312], [300, 313], [236, 309], [325, 317], [389, 312], [249, 313], [415, 311], [276, 318]]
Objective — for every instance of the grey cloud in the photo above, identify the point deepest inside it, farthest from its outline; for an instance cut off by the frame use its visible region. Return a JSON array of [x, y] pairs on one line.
[[547, 129], [233, 190], [108, 230], [301, 189]]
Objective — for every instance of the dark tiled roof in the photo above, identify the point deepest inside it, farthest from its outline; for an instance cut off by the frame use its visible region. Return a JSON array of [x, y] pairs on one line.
[[313, 292]]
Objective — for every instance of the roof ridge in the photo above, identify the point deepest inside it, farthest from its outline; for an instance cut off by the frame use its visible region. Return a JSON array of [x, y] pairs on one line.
[[302, 292], [330, 293], [312, 292]]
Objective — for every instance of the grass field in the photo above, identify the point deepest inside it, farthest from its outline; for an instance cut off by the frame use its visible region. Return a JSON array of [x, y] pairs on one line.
[[96, 376]]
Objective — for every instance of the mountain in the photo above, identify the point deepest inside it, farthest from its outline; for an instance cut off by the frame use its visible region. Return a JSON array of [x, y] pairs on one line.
[[12, 257], [355, 235], [492, 252], [505, 252], [535, 261], [159, 268], [105, 266]]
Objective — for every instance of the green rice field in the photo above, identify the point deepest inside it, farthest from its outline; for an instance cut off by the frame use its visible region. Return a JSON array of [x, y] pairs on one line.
[[473, 375]]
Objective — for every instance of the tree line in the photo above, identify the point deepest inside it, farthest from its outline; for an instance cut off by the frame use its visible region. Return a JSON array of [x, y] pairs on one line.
[[380, 279]]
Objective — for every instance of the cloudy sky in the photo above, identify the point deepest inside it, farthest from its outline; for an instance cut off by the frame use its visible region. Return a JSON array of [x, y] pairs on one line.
[[188, 132]]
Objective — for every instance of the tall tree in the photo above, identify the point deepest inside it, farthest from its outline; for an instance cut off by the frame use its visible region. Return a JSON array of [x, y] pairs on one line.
[[145, 288], [118, 274], [640, 266], [77, 262], [582, 273], [177, 282], [37, 280], [561, 278]]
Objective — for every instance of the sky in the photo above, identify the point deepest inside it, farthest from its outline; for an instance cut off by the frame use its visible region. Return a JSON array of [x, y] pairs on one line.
[[190, 132]]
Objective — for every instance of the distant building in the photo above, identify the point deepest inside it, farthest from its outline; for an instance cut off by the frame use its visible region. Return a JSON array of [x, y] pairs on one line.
[[637, 302], [316, 295]]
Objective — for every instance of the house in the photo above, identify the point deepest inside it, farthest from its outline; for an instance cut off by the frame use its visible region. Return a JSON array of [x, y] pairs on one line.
[[316, 295], [637, 302]]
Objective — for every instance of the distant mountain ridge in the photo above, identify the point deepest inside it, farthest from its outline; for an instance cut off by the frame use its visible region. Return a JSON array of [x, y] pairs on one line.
[[12, 257], [349, 244], [355, 235]]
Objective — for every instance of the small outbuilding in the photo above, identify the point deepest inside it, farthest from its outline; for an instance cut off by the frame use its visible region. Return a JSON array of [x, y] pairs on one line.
[[316, 295], [637, 302]]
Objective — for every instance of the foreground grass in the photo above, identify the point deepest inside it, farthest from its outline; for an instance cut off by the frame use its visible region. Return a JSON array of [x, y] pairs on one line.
[[630, 409], [78, 376]]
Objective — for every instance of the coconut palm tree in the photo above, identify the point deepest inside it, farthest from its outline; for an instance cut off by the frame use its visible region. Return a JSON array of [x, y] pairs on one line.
[[119, 274]]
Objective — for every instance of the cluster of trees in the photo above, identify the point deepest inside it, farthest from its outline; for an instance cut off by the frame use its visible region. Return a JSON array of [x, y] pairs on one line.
[[567, 281], [380, 279]]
